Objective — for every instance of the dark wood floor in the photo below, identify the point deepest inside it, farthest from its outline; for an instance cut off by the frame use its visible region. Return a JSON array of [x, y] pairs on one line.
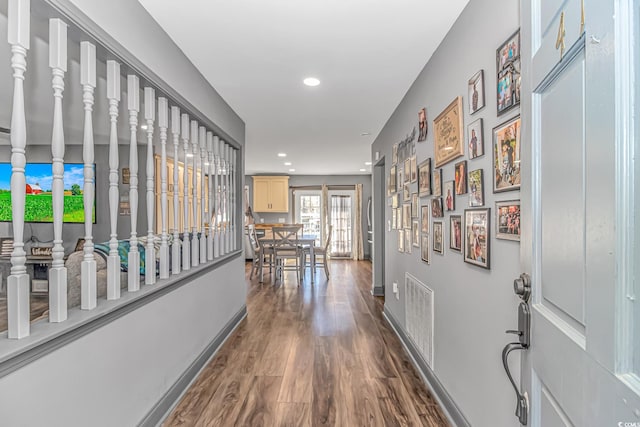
[[309, 356]]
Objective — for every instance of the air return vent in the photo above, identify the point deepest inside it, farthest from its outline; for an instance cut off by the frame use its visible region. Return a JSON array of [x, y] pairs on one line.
[[419, 316]]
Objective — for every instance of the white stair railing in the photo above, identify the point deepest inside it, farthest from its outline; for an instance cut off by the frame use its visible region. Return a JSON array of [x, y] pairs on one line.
[[186, 248], [57, 272], [202, 139], [113, 260], [211, 216], [150, 250], [18, 282], [88, 286], [195, 258], [175, 246], [163, 123], [133, 97]]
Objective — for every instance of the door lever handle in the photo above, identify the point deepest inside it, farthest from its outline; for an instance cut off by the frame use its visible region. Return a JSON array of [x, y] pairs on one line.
[[511, 331]]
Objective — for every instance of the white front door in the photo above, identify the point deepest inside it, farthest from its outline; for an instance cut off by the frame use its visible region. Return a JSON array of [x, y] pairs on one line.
[[576, 244]]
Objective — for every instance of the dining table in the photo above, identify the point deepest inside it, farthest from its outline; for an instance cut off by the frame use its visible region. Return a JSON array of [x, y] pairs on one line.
[[306, 240]]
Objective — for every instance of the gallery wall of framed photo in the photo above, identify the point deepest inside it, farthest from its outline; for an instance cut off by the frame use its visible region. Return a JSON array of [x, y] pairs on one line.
[[452, 154]]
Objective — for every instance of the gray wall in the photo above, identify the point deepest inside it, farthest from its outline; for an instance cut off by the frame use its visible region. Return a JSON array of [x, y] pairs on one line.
[[115, 375], [473, 306], [317, 180]]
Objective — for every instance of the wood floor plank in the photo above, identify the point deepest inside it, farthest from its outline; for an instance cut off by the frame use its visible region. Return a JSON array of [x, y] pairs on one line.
[[325, 375], [225, 404], [298, 375], [259, 407], [293, 415], [311, 355]]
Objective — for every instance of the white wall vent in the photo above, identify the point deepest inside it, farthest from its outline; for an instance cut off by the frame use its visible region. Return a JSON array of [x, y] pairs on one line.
[[419, 316]]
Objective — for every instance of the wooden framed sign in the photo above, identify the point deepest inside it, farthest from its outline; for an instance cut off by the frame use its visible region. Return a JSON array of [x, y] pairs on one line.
[[448, 139]]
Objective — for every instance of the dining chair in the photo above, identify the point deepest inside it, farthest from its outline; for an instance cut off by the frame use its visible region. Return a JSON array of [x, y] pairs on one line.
[[262, 253], [322, 251], [286, 247]]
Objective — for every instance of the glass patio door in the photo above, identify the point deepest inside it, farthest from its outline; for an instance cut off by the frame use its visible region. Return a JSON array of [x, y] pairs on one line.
[[341, 216], [308, 212]]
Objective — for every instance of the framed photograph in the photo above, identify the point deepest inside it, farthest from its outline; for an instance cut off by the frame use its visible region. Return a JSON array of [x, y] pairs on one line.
[[406, 193], [449, 196], [406, 215], [126, 176], [505, 91], [455, 233], [424, 218], [415, 205], [395, 201], [394, 219], [399, 218], [415, 233], [400, 240], [407, 171], [423, 127], [437, 182], [506, 156], [393, 188], [438, 237], [508, 220], [461, 177], [407, 240], [475, 133], [394, 154], [436, 207], [476, 188], [424, 248], [476, 92], [6, 246], [414, 168], [476, 236], [448, 139], [508, 73], [424, 178], [508, 52]]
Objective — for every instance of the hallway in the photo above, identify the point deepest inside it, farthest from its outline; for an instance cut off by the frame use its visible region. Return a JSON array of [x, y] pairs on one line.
[[315, 355]]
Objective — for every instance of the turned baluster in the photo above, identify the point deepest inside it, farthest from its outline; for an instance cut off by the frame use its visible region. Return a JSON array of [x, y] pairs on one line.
[[18, 282], [88, 286], [133, 97], [211, 216], [150, 250], [202, 139], [175, 246], [186, 248], [57, 272], [163, 123], [195, 246], [113, 260], [216, 186]]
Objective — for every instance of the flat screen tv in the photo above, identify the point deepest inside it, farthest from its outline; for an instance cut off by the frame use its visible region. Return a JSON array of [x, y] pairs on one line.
[[38, 204]]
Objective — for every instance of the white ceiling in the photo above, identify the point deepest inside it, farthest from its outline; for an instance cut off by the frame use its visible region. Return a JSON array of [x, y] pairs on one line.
[[256, 53]]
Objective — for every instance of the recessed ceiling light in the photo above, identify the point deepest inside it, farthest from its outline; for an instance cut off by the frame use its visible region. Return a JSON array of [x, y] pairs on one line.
[[363, 170], [365, 134], [367, 163], [282, 154], [292, 170], [287, 163], [311, 81]]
